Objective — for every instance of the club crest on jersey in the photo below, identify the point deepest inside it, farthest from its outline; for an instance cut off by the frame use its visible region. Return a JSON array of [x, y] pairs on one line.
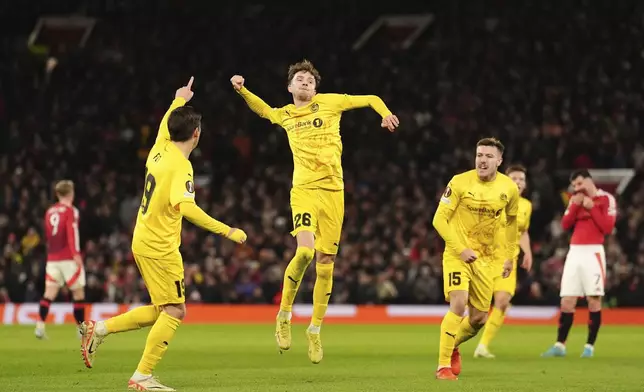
[[317, 122], [315, 107], [190, 186], [504, 197], [446, 195]]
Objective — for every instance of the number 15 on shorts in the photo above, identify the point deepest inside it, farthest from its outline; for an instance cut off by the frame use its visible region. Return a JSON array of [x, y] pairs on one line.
[[454, 278]]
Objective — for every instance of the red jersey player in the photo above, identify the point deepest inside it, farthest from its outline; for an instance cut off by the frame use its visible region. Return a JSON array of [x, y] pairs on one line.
[[592, 213], [64, 263]]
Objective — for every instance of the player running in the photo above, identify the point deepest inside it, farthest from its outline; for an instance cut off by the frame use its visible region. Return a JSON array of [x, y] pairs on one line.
[[469, 218], [312, 124], [592, 212], [168, 196], [504, 288], [64, 263]]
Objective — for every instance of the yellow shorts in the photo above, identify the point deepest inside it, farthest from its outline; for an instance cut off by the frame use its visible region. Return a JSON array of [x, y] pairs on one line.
[[321, 212], [509, 284], [163, 278], [476, 278]]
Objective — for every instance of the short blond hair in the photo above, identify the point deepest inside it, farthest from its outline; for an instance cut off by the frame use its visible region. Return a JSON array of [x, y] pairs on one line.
[[64, 188]]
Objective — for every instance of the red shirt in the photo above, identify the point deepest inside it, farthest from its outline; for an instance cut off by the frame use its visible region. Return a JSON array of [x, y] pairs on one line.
[[591, 226], [61, 230]]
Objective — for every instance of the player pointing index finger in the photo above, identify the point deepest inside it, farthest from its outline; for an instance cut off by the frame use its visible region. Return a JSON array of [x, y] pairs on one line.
[[168, 197]]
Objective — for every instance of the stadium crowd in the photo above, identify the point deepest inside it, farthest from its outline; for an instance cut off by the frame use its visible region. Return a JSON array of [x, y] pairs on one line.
[[560, 94]]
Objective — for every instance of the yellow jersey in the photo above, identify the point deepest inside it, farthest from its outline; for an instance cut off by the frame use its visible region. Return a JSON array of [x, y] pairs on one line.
[[523, 220], [313, 133], [470, 215], [168, 182]]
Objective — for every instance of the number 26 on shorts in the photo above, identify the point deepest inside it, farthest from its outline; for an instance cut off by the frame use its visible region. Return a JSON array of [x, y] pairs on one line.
[[302, 220]]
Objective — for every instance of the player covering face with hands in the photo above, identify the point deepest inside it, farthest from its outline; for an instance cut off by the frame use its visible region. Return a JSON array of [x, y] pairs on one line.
[[168, 197], [312, 124], [479, 247], [591, 214]]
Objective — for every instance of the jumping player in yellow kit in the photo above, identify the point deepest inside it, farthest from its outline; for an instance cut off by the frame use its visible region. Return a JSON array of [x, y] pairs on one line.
[[312, 124], [469, 218], [168, 197], [504, 288]]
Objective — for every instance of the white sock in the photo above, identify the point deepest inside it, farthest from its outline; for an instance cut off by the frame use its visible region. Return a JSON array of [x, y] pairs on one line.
[[314, 329], [140, 376], [100, 329], [590, 346], [284, 315], [482, 346], [560, 345]]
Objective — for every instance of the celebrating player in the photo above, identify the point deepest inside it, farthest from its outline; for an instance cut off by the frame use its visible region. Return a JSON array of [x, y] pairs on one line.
[[168, 195], [504, 288], [469, 218], [64, 263], [592, 212], [312, 124]]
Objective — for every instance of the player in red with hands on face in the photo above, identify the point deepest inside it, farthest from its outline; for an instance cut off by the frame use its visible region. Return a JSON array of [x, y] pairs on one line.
[[64, 262], [592, 213]]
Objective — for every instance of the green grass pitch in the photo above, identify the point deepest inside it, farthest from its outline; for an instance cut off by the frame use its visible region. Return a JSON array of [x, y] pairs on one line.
[[357, 358]]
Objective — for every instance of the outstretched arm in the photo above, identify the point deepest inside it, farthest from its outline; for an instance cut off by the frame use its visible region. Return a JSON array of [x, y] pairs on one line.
[[181, 97], [255, 103], [199, 217], [348, 102]]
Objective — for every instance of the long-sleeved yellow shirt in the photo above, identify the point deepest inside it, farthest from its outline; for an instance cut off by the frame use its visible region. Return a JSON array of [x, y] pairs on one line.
[[314, 134], [469, 216]]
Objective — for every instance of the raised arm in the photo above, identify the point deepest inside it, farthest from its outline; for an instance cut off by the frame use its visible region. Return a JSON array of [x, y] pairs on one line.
[[181, 97], [255, 103]]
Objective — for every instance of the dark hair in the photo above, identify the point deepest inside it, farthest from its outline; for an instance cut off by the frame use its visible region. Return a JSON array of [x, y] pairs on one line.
[[517, 167], [583, 173], [307, 66], [491, 142], [182, 123]]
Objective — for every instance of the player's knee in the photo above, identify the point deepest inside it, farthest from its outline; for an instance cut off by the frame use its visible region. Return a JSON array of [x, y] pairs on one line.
[[594, 304], [78, 295], [502, 302], [477, 318], [324, 270], [568, 304], [457, 304], [51, 292], [305, 255], [324, 258], [177, 311]]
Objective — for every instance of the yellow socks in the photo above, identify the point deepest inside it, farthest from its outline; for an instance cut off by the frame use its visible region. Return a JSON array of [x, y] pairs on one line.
[[137, 318], [492, 326], [293, 276], [321, 292], [156, 345], [449, 330], [466, 331]]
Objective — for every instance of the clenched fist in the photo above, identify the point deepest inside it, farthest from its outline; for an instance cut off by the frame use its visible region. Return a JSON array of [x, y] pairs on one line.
[[237, 81], [237, 235]]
